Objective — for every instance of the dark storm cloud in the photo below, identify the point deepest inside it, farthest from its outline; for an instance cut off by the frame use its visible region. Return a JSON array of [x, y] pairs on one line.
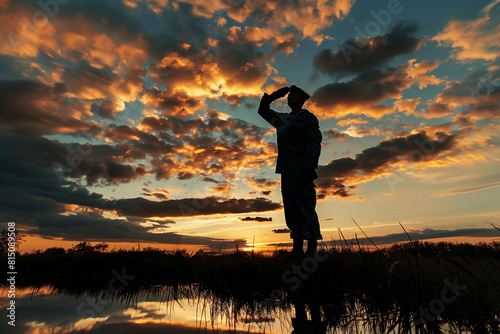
[[31, 107], [140, 142], [477, 95], [165, 30], [161, 194], [281, 230], [30, 186], [177, 103], [233, 127], [100, 85], [105, 109], [361, 94], [284, 47], [372, 161], [173, 124], [83, 75], [90, 226], [256, 219], [101, 13], [334, 134], [234, 100], [140, 207], [185, 176], [234, 54], [361, 54], [28, 173], [210, 179], [94, 162], [101, 152], [262, 183]]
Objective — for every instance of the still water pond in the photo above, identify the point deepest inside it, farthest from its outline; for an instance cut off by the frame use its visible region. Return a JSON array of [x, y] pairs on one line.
[[184, 309]]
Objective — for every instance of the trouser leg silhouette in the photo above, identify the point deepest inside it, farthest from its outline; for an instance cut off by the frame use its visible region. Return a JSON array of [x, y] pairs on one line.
[[299, 203]]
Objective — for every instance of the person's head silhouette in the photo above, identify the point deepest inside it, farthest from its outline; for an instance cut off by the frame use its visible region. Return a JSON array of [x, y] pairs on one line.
[[296, 98]]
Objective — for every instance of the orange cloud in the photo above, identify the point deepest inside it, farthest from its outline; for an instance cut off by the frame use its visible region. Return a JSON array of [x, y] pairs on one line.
[[26, 33], [349, 121], [223, 187], [474, 98], [173, 103], [205, 73], [418, 72], [433, 130], [408, 106], [473, 39], [308, 17], [107, 93], [67, 38], [436, 110], [155, 5], [109, 63], [189, 148], [261, 183]]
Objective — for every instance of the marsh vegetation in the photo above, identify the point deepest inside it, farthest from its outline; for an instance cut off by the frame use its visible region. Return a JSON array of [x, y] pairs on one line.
[[411, 287]]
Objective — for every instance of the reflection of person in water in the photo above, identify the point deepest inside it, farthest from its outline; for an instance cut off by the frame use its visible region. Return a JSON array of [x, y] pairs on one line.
[[301, 325], [299, 147]]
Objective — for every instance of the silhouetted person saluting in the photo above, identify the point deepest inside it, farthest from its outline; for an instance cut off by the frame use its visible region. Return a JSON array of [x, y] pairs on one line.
[[299, 147]]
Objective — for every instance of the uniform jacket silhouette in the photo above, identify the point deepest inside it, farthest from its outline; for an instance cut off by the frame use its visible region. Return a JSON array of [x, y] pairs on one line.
[[299, 138]]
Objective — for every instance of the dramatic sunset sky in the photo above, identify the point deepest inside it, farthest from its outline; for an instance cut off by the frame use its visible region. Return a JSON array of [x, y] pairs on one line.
[[135, 121]]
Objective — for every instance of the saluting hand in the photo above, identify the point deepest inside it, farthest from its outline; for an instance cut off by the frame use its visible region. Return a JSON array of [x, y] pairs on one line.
[[278, 94]]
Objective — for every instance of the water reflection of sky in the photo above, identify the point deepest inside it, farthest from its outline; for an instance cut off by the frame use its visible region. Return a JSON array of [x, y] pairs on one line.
[[43, 311]]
